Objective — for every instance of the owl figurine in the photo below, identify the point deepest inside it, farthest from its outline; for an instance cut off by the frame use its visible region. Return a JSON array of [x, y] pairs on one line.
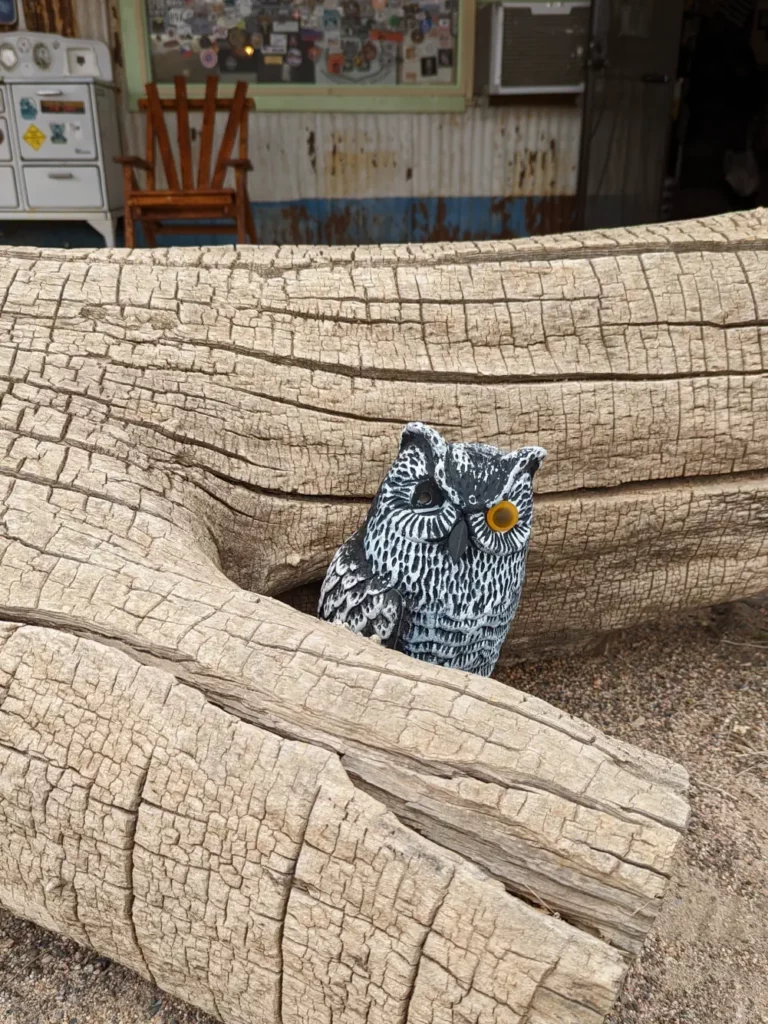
[[437, 569]]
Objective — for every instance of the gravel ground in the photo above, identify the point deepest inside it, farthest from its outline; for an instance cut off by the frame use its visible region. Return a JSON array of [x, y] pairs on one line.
[[695, 690]]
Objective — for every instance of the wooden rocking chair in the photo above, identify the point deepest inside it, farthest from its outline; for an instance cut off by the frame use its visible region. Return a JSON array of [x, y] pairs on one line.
[[204, 201]]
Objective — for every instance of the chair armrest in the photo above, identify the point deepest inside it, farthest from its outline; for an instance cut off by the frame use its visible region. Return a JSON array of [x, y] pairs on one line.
[[244, 164], [133, 161]]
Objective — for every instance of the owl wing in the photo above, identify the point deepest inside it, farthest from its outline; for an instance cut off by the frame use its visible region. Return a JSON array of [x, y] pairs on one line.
[[353, 595]]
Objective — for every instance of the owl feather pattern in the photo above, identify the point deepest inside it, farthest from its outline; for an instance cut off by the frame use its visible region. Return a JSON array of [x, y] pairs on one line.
[[437, 569]]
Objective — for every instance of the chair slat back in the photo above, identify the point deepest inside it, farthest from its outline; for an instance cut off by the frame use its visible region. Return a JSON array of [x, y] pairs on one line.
[[155, 114], [150, 142], [157, 133], [206, 139], [234, 123], [182, 132]]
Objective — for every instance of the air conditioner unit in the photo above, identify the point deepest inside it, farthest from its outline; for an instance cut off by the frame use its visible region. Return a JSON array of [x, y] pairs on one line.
[[537, 47]]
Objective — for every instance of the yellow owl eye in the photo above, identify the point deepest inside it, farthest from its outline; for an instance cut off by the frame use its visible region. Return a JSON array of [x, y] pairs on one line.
[[502, 516]]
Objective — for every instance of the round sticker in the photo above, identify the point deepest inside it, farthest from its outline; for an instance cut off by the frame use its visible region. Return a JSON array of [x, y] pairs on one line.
[[237, 38], [209, 58], [314, 54], [294, 58], [417, 36]]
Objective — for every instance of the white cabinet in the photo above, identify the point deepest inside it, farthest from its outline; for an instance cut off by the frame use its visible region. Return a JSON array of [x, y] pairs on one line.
[[9, 197], [59, 134], [65, 187]]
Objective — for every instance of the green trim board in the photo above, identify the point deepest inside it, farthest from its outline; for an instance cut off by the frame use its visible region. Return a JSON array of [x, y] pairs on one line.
[[310, 98], [359, 102]]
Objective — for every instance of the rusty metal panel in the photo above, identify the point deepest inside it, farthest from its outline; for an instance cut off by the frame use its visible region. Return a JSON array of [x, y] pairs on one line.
[[491, 151], [496, 151]]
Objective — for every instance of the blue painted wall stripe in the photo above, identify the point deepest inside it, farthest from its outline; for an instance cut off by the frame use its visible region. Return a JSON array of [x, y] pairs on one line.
[[352, 222]]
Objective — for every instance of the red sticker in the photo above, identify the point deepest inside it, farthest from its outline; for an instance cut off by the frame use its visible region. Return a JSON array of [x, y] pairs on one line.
[[382, 36], [209, 58]]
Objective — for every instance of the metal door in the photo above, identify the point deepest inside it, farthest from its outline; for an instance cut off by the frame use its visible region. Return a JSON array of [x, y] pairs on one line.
[[631, 71]]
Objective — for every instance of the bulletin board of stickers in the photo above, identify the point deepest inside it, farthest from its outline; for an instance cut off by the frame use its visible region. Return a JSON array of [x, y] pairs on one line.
[[335, 42]]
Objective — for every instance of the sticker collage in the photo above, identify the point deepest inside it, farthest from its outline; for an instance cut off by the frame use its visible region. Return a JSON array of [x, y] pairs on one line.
[[60, 133], [305, 42]]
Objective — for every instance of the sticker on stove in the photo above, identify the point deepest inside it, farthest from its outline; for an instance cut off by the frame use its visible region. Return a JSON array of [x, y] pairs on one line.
[[57, 133], [209, 58], [28, 108], [34, 137], [62, 107]]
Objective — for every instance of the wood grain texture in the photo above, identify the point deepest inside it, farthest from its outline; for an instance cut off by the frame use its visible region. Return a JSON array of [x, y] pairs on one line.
[[244, 870], [342, 832], [271, 385]]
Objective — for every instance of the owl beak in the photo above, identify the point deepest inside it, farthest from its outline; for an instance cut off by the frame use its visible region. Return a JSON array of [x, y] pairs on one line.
[[458, 539]]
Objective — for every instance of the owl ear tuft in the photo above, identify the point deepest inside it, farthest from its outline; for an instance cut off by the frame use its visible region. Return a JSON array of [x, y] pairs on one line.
[[525, 460], [530, 457], [424, 437]]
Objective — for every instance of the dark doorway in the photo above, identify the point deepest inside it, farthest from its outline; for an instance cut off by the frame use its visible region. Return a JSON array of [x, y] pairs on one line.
[[718, 159], [631, 75]]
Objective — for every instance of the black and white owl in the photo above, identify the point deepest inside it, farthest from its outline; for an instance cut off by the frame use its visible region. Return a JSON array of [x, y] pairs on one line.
[[437, 568]]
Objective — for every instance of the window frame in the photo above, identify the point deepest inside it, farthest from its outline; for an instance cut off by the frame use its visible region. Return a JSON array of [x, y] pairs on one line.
[[453, 98]]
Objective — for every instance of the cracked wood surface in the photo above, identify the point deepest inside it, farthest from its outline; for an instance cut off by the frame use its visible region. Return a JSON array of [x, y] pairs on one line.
[[343, 833], [244, 870], [266, 389]]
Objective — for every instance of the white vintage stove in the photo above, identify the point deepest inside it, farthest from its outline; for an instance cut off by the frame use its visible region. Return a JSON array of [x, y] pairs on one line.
[[58, 131]]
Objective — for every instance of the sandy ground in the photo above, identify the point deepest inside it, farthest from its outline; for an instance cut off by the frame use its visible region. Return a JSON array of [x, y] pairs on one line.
[[695, 690]]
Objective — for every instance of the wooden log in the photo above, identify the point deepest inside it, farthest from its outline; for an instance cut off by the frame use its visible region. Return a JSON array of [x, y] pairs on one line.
[[265, 813], [274, 382], [244, 870]]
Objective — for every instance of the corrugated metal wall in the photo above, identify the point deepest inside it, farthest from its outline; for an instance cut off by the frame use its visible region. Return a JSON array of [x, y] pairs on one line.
[[486, 151], [349, 178]]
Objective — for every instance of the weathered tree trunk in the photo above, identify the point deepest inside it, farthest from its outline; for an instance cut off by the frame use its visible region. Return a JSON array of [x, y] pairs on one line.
[[341, 832]]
